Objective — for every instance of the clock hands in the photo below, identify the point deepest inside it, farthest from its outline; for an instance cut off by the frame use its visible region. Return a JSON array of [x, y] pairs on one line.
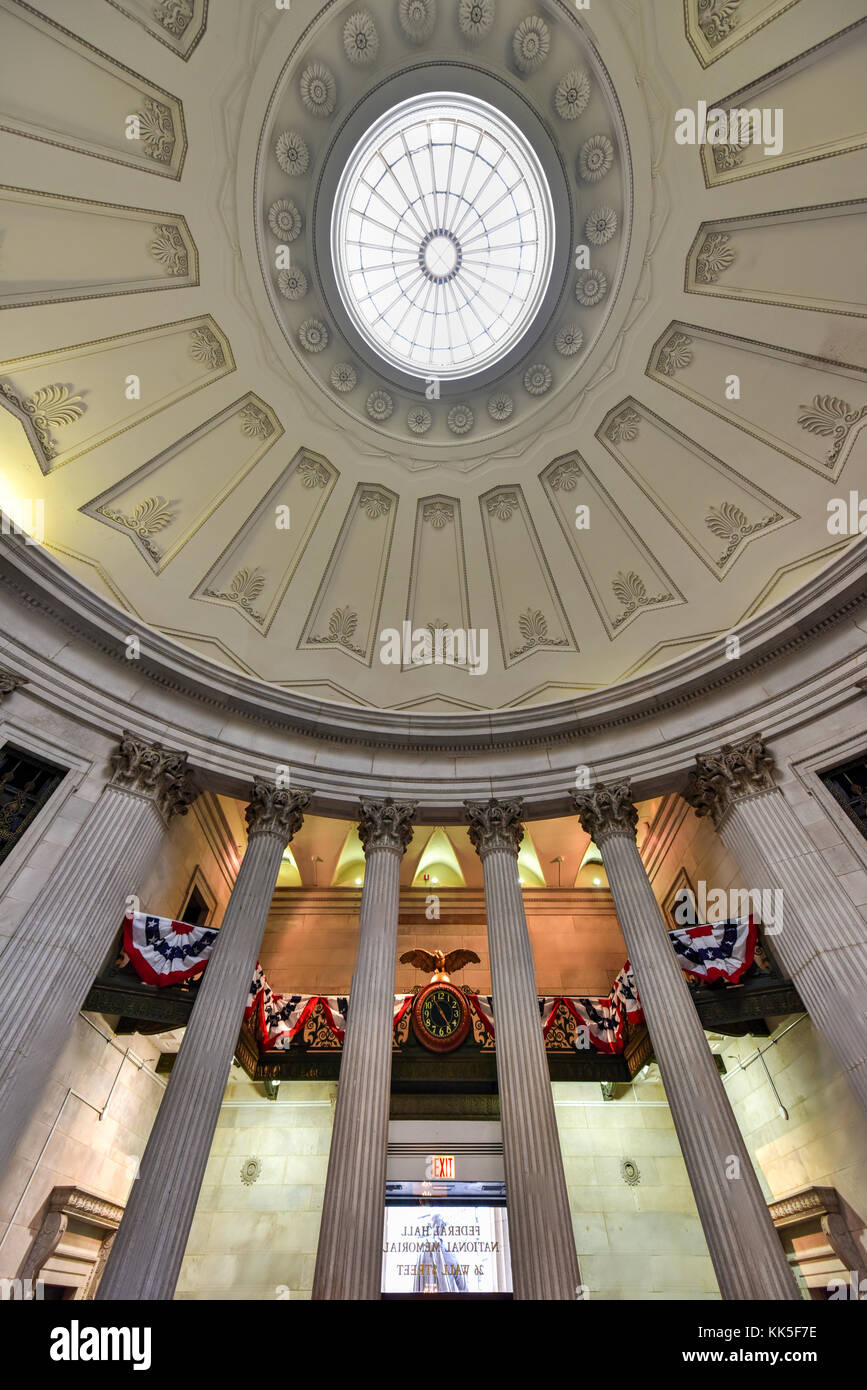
[[440, 1012]]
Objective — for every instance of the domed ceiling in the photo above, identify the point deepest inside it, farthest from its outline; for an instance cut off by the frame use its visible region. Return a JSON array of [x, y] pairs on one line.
[[330, 330]]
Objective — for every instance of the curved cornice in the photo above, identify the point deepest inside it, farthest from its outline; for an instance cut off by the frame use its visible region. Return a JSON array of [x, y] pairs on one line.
[[793, 623]]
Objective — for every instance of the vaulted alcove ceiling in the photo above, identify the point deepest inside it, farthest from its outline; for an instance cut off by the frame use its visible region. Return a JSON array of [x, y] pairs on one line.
[[204, 435]]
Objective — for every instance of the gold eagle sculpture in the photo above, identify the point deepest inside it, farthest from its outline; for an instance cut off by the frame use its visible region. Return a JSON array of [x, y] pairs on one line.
[[439, 963]]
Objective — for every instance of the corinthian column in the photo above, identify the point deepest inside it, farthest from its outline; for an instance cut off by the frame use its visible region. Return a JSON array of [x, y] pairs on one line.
[[745, 1249], [149, 1246], [818, 933], [544, 1263], [50, 963], [349, 1257]]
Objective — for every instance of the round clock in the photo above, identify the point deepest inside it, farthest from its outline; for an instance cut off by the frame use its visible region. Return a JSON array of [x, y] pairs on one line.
[[440, 1017]]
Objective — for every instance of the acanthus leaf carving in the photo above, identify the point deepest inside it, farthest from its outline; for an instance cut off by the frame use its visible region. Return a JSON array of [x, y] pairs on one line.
[[312, 474], [341, 628], [9, 682], [439, 514], [174, 16], [728, 155], [374, 504], [386, 824], [715, 255], [145, 520], [50, 407], [624, 426], [156, 771], [169, 248], [606, 810], [734, 771], [245, 588], [631, 590], [565, 476], [717, 19], [831, 418], [502, 505], [255, 424], [732, 525], [674, 354], [533, 627], [495, 825], [206, 347], [274, 810], [157, 130]]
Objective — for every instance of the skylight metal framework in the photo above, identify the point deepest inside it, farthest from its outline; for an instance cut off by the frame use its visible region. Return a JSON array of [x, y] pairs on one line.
[[443, 235]]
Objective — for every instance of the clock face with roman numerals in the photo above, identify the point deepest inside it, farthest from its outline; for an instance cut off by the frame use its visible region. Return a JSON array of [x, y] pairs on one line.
[[440, 1017]]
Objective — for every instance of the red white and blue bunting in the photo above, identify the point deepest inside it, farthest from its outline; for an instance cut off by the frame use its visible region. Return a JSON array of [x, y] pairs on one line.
[[279, 1018], [165, 952], [717, 951]]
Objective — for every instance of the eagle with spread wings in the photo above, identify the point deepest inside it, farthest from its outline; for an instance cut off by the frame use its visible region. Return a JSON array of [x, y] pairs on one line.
[[439, 963]]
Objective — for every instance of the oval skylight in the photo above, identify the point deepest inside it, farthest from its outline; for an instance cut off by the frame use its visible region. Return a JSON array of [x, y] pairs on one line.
[[442, 235]]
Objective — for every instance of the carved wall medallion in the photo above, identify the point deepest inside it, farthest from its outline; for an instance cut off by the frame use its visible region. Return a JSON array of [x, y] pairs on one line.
[[630, 1172], [251, 1170]]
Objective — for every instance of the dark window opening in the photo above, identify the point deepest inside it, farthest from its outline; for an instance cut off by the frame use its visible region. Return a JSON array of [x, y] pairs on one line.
[[195, 911], [848, 786], [26, 783]]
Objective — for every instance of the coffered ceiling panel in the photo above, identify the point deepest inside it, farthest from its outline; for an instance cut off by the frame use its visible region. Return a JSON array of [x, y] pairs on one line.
[[67, 248], [162, 505], [649, 465], [59, 88]]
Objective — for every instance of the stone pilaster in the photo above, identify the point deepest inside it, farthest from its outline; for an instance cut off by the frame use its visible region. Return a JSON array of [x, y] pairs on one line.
[[746, 1252], [349, 1257], [50, 963], [544, 1262], [149, 1247], [820, 937]]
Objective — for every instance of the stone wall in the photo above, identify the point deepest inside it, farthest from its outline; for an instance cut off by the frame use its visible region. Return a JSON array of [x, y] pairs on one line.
[[257, 1239], [68, 1143], [312, 937], [638, 1239], [824, 1139]]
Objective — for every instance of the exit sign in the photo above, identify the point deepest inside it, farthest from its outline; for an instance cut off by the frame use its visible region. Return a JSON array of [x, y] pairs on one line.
[[441, 1167]]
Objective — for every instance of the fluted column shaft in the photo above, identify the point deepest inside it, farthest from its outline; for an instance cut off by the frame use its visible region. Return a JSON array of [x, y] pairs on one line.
[[820, 937], [50, 963], [349, 1255], [149, 1247], [745, 1249], [541, 1243]]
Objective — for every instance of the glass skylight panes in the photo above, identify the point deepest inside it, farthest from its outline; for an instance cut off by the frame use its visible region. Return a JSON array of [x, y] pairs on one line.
[[443, 236]]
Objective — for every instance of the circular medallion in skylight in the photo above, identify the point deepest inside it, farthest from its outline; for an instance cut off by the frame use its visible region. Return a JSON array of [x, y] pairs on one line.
[[442, 236]]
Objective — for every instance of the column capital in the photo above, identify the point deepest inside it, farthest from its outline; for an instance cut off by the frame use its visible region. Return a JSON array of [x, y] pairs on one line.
[[606, 810], [9, 682], [274, 810], [386, 824], [735, 771], [158, 772], [495, 825]]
